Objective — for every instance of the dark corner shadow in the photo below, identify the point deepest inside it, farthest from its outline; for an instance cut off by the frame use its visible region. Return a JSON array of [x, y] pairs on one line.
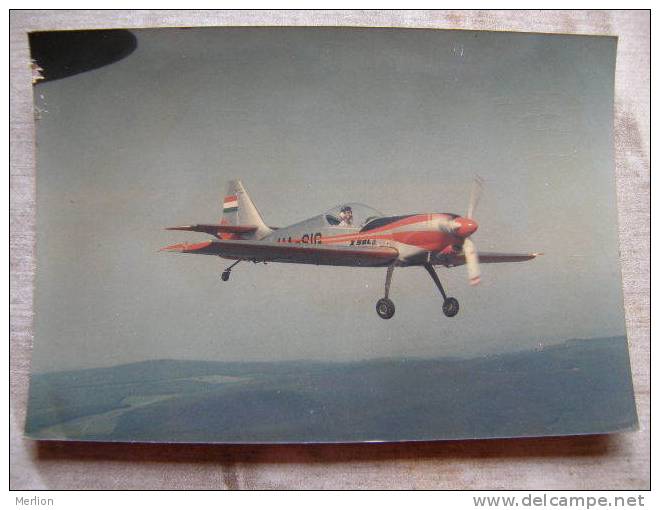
[[67, 53], [569, 446]]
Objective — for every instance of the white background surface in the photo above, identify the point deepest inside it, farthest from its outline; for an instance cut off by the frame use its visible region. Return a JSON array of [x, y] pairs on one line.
[[604, 462]]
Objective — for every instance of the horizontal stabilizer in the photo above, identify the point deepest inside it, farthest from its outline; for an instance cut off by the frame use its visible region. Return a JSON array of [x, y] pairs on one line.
[[215, 229]]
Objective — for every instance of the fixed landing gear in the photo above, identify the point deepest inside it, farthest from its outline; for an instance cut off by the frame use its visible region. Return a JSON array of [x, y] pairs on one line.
[[225, 274], [450, 305], [385, 306]]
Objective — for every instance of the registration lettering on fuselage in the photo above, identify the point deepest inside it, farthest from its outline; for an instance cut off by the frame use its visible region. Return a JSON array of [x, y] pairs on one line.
[[312, 238]]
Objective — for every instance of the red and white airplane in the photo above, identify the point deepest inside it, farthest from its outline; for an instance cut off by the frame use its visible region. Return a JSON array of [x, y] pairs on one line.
[[350, 235]]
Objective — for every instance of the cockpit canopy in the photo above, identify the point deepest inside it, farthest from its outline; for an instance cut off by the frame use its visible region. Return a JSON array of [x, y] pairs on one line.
[[351, 215]]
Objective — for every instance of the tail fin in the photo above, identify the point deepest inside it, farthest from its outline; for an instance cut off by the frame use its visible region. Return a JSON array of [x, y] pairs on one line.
[[239, 210]]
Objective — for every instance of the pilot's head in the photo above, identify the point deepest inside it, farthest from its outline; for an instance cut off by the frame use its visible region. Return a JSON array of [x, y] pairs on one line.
[[346, 214]]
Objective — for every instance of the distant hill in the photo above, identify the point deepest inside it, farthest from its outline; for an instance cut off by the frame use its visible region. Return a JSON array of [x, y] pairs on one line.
[[579, 387]]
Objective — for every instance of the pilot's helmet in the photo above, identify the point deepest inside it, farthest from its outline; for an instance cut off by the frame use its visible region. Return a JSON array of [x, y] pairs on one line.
[[347, 209]]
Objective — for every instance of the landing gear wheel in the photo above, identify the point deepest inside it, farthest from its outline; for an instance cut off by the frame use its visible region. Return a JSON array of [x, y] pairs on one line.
[[385, 308], [450, 306], [225, 276]]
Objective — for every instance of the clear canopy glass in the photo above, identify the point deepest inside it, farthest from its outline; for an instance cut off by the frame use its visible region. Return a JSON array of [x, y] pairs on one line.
[[351, 215]]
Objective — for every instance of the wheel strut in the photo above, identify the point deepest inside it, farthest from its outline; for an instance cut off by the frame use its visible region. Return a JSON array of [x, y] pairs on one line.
[[227, 272], [388, 280], [450, 304], [434, 275], [385, 306]]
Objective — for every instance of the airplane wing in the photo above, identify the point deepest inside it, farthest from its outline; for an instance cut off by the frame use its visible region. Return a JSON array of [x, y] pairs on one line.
[[265, 251], [495, 258], [488, 258]]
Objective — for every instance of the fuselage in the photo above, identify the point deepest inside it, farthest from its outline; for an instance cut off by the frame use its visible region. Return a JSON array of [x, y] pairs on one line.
[[418, 237]]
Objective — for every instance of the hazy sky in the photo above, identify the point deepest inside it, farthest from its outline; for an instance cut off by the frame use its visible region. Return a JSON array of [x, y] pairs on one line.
[[399, 119]]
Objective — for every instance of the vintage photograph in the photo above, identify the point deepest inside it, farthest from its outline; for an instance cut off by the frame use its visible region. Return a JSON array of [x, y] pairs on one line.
[[408, 235]]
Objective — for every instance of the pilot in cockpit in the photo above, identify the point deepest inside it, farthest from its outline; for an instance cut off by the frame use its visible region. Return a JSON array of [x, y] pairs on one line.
[[346, 216]]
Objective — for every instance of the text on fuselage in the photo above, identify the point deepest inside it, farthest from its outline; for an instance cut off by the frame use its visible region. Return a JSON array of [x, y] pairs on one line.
[[313, 238]]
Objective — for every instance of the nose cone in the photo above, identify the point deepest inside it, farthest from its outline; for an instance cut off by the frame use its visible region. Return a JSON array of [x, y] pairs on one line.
[[466, 227]]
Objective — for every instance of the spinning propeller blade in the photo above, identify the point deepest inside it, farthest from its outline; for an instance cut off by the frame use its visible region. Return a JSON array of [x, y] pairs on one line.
[[475, 195], [469, 249], [472, 262]]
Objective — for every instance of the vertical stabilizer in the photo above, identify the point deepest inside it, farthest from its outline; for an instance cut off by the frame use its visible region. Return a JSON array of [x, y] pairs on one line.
[[239, 210]]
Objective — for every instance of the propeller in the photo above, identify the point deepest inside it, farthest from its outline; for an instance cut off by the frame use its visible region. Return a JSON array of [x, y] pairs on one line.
[[472, 262], [469, 249], [475, 195]]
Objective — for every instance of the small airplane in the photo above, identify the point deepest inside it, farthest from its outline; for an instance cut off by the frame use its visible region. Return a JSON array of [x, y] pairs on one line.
[[352, 235]]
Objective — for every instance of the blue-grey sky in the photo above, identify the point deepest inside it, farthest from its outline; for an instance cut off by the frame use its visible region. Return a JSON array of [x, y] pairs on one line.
[[399, 119]]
